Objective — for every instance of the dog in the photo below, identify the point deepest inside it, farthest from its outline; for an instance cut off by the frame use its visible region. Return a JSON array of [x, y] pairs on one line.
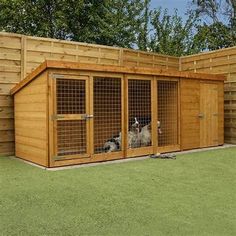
[[145, 134], [136, 137], [134, 134], [114, 144]]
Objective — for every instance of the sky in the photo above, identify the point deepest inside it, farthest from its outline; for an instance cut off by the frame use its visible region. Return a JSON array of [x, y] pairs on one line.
[[181, 5]]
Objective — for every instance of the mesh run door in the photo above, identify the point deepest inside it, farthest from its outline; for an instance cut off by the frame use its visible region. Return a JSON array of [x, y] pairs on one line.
[[107, 109], [71, 136], [167, 103], [139, 113]]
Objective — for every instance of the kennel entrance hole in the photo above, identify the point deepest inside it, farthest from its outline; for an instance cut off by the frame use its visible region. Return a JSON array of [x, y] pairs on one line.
[[167, 106]]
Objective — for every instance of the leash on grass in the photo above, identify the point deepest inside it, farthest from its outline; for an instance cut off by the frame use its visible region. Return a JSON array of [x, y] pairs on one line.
[[163, 156]]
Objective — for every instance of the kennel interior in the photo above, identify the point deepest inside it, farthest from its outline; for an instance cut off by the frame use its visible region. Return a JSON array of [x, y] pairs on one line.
[[72, 113]]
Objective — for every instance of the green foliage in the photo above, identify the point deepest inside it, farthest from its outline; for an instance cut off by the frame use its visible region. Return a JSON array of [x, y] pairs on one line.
[[218, 29], [143, 32], [109, 22], [35, 17], [171, 35], [214, 36], [125, 23]]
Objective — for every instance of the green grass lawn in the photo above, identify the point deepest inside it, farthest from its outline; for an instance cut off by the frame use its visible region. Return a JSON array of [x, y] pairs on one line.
[[193, 195]]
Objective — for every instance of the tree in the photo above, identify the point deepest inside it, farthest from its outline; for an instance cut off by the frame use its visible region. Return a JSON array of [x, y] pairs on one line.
[[214, 36], [109, 22], [35, 17], [171, 35], [221, 31], [143, 34]]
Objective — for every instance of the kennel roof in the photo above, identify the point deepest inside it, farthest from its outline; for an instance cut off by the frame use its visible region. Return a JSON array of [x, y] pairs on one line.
[[52, 64]]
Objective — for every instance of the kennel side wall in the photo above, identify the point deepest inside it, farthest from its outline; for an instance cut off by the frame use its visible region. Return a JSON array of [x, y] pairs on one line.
[[31, 121], [20, 55]]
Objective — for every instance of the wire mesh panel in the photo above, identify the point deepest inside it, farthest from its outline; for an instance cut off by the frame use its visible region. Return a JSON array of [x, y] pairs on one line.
[[139, 113], [71, 96], [167, 113], [71, 132], [71, 137], [107, 114]]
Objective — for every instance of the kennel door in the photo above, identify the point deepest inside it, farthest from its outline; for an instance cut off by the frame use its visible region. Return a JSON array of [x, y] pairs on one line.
[[208, 114], [139, 116], [71, 117], [107, 108], [167, 106]]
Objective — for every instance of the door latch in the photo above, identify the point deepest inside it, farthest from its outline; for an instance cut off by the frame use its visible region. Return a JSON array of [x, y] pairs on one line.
[[86, 116], [200, 115], [57, 117]]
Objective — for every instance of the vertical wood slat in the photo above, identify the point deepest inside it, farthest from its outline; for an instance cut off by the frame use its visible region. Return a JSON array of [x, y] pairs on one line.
[[23, 56], [125, 114], [91, 112], [154, 98], [230, 112], [51, 123]]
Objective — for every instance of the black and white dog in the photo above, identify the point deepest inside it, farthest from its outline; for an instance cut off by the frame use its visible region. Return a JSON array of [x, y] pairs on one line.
[[136, 137], [145, 134], [114, 144]]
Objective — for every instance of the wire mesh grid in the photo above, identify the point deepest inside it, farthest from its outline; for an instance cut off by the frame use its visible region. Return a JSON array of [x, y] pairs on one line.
[[71, 134], [139, 96], [107, 114], [71, 96], [168, 113], [71, 137]]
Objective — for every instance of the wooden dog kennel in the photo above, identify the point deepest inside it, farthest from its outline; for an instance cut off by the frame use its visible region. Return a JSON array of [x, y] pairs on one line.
[[71, 113]]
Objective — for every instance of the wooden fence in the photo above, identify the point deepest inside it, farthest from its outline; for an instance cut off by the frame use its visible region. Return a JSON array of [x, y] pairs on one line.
[[20, 54], [230, 112], [216, 62]]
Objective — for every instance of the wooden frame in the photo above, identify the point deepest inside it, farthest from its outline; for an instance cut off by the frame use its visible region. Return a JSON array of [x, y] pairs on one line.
[[133, 152], [176, 147], [67, 117], [117, 154], [85, 72]]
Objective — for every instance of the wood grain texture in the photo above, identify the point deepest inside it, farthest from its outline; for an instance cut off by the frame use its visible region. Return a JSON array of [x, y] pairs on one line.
[[113, 69], [20, 55], [219, 62], [31, 121], [210, 114], [190, 109], [35, 131]]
